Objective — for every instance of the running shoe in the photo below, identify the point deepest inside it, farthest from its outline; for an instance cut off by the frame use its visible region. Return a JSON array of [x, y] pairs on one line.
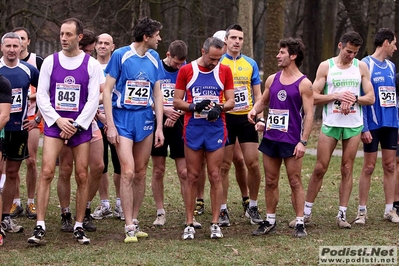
[[10, 225], [299, 231], [253, 214], [199, 208], [88, 224], [196, 224], [307, 219], [101, 212], [30, 211], [16, 210], [265, 228], [118, 212], [215, 231], [361, 217], [245, 205], [80, 236], [130, 235], [341, 221], [160, 220], [188, 233], [66, 222], [37, 236], [138, 232], [224, 220], [392, 216]]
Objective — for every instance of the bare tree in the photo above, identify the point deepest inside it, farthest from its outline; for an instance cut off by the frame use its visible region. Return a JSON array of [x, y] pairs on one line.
[[245, 19], [274, 22]]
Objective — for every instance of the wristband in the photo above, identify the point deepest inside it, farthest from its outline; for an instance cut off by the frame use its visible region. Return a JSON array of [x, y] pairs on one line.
[[260, 120]]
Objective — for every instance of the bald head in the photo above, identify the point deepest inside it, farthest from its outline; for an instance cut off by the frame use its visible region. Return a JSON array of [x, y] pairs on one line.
[[104, 47]]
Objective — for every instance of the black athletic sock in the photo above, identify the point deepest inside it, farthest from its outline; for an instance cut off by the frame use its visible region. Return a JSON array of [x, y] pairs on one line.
[[245, 198]]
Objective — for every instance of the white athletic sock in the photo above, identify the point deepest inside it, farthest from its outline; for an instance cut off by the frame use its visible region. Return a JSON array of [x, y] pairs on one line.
[[271, 218], [388, 208], [42, 224], [362, 208], [30, 201], [343, 210], [105, 203], [88, 205], [160, 211], [77, 224], [223, 206], [253, 203], [118, 202], [17, 201], [308, 208], [65, 210]]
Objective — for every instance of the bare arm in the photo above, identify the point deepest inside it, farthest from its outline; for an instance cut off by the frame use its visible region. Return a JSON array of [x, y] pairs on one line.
[[158, 104], [229, 103], [368, 98], [5, 109], [178, 101], [261, 104], [257, 96], [112, 133], [305, 87]]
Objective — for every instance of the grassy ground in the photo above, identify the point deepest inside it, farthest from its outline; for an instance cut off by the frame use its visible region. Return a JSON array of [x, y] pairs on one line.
[[238, 247]]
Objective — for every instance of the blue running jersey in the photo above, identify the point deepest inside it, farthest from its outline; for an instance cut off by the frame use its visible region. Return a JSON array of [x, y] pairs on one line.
[[20, 77], [135, 77], [383, 113]]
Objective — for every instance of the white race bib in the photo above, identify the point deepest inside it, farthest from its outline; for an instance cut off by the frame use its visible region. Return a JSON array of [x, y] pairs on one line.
[[278, 119], [16, 105], [198, 99], [387, 95], [67, 97], [137, 92], [168, 91], [240, 99]]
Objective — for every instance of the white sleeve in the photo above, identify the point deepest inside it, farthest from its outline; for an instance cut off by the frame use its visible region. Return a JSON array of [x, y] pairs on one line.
[[96, 74], [43, 92]]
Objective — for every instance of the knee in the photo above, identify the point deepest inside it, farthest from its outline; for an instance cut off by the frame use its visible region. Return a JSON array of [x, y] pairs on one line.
[[295, 182], [47, 174], [389, 167], [214, 178], [239, 162], [368, 169], [346, 169], [158, 172], [182, 174], [31, 162], [253, 166], [319, 171], [271, 182], [225, 167]]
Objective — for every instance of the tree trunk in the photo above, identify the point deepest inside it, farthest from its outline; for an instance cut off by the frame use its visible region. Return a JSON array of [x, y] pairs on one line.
[[274, 32], [245, 9], [372, 27]]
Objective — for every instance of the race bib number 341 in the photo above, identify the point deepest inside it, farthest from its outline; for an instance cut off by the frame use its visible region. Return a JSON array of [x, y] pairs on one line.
[[278, 119]]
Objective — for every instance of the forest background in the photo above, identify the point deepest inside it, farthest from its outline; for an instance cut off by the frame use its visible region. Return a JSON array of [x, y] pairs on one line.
[[319, 23]]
